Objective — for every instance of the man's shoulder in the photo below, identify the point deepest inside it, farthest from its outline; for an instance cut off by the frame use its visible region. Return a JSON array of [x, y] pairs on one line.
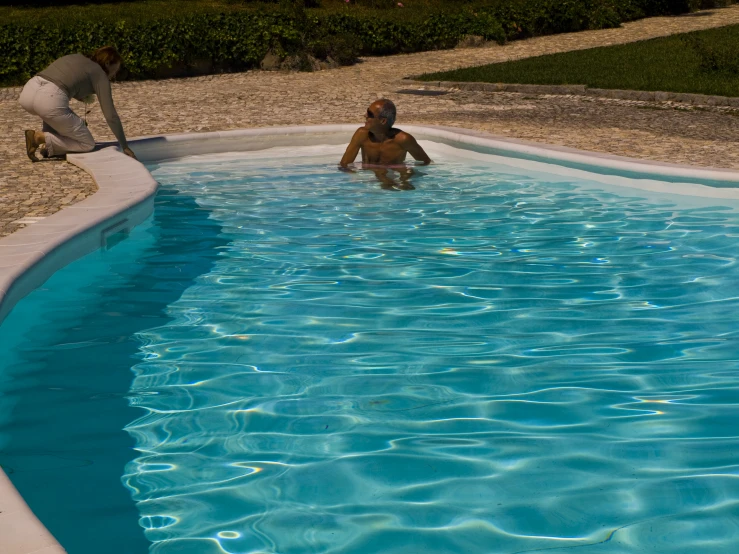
[[401, 136], [361, 134]]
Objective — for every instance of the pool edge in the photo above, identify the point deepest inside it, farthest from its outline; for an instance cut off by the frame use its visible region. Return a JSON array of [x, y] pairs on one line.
[[125, 198], [28, 257]]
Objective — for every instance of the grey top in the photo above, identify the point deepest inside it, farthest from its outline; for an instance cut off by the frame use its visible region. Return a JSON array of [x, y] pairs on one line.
[[79, 76]]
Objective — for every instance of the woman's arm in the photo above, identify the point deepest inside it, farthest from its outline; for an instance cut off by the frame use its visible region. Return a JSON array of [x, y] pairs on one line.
[[101, 84]]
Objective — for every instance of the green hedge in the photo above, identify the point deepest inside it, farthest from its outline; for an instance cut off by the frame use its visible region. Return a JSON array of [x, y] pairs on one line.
[[239, 39]]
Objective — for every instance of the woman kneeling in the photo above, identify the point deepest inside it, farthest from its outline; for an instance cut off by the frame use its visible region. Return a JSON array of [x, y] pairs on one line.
[[47, 96]]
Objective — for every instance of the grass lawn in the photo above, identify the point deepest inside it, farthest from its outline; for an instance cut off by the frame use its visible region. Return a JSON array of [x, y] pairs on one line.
[[702, 62]]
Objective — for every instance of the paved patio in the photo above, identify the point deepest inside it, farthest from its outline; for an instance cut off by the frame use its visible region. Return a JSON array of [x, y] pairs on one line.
[[702, 136]]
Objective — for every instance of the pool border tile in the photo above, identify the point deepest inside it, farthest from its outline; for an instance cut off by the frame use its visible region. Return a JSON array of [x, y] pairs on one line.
[[125, 198]]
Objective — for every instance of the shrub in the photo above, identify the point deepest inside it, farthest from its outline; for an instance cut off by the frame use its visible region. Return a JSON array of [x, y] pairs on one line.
[[237, 34], [344, 49], [375, 4]]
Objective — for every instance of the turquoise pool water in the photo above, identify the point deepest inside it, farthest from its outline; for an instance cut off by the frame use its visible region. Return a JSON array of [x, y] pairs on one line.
[[288, 359]]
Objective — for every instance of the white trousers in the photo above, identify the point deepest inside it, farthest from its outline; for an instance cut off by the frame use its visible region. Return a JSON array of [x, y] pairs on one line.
[[63, 129]]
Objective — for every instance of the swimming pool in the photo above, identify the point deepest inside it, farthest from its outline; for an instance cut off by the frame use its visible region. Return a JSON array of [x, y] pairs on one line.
[[510, 358]]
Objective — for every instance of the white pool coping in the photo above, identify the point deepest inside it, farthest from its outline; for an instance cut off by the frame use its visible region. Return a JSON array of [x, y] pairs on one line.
[[125, 198]]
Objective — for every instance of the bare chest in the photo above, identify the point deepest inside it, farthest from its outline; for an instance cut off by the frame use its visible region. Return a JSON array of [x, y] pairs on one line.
[[387, 152]]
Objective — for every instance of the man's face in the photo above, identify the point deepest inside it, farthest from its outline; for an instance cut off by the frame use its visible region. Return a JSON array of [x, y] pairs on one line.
[[372, 120]]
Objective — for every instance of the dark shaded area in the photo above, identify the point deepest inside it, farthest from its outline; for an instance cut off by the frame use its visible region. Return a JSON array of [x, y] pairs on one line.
[[67, 449], [44, 3], [422, 92], [62, 3]]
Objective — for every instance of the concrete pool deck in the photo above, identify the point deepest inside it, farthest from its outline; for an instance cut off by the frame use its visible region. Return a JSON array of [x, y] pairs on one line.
[[660, 131]]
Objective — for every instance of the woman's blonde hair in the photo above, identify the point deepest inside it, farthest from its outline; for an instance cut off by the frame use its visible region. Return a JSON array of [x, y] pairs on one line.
[[106, 56]]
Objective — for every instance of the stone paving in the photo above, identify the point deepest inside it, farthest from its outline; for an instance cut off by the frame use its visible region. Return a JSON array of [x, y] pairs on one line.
[[663, 131]]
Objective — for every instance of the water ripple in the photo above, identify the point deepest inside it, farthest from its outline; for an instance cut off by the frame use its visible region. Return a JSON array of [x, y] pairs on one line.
[[499, 361]]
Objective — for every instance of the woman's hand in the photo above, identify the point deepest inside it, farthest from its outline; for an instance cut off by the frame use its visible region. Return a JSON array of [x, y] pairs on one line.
[[128, 152]]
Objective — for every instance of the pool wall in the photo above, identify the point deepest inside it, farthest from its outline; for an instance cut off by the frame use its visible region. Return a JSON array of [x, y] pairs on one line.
[[125, 198]]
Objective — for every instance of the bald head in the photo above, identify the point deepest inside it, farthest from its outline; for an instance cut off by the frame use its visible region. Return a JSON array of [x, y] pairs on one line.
[[385, 110]]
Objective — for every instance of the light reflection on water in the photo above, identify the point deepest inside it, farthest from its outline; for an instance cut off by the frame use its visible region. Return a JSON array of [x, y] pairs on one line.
[[494, 362]]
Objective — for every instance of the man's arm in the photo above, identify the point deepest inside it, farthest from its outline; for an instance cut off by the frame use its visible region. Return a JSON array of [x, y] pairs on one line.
[[413, 148], [353, 149], [386, 182]]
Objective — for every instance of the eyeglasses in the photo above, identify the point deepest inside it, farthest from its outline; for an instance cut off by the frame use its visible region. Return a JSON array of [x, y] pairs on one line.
[[370, 115]]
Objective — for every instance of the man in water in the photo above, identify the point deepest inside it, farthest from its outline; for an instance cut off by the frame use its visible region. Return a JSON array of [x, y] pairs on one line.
[[384, 147]]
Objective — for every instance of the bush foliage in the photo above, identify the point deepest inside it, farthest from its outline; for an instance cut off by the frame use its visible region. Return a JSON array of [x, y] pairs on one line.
[[238, 36]]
